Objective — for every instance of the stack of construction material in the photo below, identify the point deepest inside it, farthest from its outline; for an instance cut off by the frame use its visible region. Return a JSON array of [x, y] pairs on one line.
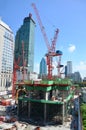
[[16, 126], [7, 126], [6, 109], [3, 110]]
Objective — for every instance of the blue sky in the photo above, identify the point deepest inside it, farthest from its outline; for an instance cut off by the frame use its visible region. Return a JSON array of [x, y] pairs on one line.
[[67, 15]]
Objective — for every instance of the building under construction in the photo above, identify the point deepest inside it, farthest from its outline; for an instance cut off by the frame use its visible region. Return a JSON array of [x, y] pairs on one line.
[[45, 102]]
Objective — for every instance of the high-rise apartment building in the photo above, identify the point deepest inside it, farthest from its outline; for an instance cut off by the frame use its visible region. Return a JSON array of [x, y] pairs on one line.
[[69, 68], [6, 55], [24, 43], [43, 67]]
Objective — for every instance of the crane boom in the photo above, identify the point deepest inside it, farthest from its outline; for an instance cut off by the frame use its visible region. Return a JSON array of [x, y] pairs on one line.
[[41, 26]]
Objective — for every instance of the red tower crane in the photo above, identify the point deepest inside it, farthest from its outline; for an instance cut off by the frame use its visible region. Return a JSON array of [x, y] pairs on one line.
[[14, 76], [17, 67], [51, 49]]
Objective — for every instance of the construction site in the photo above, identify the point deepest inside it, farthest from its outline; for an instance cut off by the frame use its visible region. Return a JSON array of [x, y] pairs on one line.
[[40, 102], [45, 102]]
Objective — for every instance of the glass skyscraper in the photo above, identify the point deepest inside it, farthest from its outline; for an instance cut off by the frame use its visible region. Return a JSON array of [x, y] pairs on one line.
[[69, 68], [25, 34], [43, 67], [6, 55]]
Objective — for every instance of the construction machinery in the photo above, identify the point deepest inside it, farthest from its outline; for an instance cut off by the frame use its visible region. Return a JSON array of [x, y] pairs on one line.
[[51, 48], [17, 67]]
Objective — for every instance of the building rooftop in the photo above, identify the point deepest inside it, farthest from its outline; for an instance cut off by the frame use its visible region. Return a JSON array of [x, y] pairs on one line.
[[26, 19], [5, 25]]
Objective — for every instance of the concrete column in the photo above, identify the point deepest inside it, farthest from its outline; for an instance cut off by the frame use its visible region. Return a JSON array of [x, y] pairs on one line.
[[29, 95], [63, 113], [29, 105], [18, 109], [46, 96], [45, 113], [63, 96]]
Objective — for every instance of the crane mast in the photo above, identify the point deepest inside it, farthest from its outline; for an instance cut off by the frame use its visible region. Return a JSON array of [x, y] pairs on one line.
[[17, 67], [53, 45]]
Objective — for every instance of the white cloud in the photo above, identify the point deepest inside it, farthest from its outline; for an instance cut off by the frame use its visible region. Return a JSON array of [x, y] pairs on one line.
[[71, 48]]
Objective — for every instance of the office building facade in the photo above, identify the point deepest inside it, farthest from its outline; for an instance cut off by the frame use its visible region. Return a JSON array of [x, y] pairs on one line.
[[77, 77], [6, 55], [24, 43]]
